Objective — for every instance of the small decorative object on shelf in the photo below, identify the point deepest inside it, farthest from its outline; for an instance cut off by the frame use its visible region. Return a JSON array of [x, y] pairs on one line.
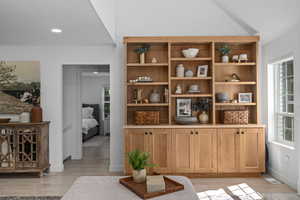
[[146, 117], [188, 73], [245, 97], [234, 101], [194, 89], [137, 95], [234, 78], [145, 101], [186, 120], [235, 58], [141, 51], [222, 97], [183, 107], [25, 117], [190, 52], [155, 184], [225, 51], [178, 89], [154, 97], [138, 160], [166, 95], [180, 70], [36, 114], [154, 60], [243, 58], [202, 71], [202, 107]]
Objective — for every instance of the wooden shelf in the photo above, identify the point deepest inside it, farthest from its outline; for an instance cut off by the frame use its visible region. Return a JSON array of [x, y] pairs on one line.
[[191, 95], [235, 104], [235, 64], [191, 59], [236, 83], [191, 78], [147, 64], [147, 105], [150, 83]]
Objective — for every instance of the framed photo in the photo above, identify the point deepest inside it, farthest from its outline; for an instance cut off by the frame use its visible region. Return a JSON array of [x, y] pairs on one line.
[[202, 71], [183, 107], [245, 97]]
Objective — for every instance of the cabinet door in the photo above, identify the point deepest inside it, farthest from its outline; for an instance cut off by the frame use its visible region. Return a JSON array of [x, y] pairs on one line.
[[182, 156], [161, 143], [135, 139], [228, 151], [252, 150], [205, 150]]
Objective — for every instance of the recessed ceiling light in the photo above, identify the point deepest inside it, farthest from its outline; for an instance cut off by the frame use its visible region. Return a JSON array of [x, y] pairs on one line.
[[96, 72], [56, 30]]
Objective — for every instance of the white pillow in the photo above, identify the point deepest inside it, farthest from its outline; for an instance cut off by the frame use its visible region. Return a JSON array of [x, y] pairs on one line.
[[87, 113]]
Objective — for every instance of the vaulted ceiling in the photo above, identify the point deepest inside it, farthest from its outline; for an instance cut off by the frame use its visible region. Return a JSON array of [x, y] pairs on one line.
[[92, 22]]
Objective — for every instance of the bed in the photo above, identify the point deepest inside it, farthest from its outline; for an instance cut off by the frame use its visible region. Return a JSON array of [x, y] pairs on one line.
[[90, 121]]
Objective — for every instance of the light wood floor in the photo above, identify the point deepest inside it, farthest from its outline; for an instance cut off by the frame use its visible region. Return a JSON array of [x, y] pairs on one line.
[[95, 162]]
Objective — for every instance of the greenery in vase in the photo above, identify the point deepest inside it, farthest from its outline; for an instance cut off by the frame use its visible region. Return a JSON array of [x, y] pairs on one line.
[[202, 105], [142, 49], [225, 50], [139, 160]]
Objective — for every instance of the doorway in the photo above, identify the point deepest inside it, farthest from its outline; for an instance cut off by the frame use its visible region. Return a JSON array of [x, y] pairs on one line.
[[86, 116]]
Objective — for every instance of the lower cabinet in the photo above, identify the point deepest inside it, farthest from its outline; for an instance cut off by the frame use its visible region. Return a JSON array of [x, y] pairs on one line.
[[211, 150]]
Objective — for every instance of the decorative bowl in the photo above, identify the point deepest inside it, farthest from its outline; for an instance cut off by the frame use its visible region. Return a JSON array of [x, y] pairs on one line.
[[222, 97], [4, 120], [190, 52], [186, 120]]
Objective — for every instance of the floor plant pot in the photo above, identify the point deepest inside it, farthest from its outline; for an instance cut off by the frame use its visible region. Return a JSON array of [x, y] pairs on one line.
[[139, 176], [142, 58], [225, 59]]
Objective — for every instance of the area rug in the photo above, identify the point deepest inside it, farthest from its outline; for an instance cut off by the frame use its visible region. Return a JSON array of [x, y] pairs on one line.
[[31, 198]]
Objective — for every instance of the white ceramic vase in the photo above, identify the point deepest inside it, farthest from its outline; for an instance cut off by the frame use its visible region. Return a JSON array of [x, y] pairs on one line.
[[25, 117], [142, 58], [225, 59], [154, 97], [139, 176], [180, 70], [203, 118]]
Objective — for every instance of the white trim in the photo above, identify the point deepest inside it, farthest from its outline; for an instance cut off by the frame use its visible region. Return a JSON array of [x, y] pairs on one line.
[[283, 145], [278, 175], [116, 167], [57, 167]]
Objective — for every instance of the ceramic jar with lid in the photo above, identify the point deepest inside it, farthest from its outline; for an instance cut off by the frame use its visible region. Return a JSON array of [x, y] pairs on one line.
[[180, 70], [154, 97]]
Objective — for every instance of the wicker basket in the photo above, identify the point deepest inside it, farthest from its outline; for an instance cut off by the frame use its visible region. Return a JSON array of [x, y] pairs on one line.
[[236, 116], [147, 117]]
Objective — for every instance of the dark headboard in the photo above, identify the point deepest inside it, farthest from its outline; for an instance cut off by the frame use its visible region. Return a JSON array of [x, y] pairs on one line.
[[96, 113]]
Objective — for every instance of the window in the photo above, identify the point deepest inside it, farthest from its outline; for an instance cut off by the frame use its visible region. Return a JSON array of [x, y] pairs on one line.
[[284, 101]]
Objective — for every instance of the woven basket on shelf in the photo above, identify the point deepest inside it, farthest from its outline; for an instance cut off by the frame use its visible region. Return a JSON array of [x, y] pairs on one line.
[[147, 117], [236, 116]]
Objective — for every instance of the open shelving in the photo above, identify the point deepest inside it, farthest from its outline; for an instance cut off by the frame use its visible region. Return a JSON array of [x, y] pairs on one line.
[[168, 52]]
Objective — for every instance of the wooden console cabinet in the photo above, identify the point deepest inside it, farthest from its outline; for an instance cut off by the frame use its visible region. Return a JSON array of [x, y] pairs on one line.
[[24, 147], [214, 148]]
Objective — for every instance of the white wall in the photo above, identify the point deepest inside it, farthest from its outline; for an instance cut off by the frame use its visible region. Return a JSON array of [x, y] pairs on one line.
[[51, 60], [283, 161]]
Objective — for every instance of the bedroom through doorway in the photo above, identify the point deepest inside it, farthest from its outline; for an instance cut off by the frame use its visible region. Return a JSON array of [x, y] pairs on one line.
[[86, 106]]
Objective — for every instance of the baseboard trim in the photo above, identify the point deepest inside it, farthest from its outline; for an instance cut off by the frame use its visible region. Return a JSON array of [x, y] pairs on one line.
[[57, 167], [283, 179], [115, 167]]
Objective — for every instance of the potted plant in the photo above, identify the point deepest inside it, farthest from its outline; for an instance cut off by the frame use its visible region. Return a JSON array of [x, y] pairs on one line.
[[225, 51], [202, 107], [141, 51], [138, 161]]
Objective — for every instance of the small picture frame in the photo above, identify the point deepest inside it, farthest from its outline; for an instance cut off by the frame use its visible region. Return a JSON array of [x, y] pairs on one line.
[[245, 97], [202, 71], [183, 107]]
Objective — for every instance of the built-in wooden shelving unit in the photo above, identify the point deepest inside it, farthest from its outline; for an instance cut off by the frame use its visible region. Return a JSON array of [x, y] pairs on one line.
[[168, 53]]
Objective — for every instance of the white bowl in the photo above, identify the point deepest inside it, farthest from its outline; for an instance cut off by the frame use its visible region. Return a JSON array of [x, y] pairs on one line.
[[190, 52]]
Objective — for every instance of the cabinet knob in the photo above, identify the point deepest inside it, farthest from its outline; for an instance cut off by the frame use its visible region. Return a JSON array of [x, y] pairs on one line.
[[242, 132], [150, 133], [146, 133], [192, 133], [237, 132], [196, 132]]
